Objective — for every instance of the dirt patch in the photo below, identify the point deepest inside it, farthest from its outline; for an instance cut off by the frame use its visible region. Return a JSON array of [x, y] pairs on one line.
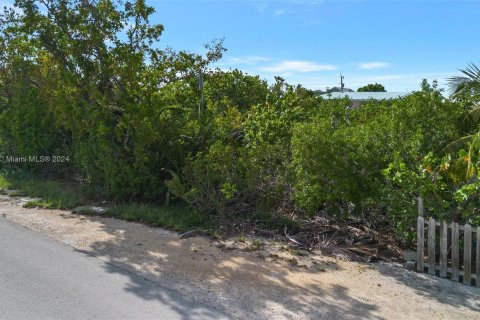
[[254, 278]]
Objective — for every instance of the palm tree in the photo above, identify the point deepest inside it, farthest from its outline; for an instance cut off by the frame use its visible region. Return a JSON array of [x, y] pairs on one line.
[[467, 88], [468, 83]]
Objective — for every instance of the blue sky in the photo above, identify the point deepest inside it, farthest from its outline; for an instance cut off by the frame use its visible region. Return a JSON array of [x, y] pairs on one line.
[[395, 43]]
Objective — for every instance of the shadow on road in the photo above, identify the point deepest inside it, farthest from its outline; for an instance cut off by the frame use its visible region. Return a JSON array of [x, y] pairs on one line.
[[240, 284], [442, 290]]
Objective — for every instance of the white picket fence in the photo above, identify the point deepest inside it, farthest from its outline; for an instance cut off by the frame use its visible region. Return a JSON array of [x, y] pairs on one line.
[[449, 247]]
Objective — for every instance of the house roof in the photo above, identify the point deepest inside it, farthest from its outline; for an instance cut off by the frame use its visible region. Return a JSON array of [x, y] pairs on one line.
[[339, 89], [360, 96], [334, 89]]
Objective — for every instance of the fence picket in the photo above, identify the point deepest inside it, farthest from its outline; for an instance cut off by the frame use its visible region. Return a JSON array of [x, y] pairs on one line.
[[443, 249], [420, 243], [431, 246], [477, 273], [467, 255], [457, 268], [455, 251]]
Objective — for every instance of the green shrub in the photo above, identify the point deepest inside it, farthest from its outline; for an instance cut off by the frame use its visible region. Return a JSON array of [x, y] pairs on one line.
[[28, 126], [245, 165], [339, 156]]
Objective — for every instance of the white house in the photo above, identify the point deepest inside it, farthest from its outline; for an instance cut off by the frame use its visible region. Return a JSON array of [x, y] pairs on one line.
[[358, 97]]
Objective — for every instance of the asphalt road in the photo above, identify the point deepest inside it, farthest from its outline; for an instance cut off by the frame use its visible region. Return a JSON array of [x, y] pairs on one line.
[[41, 278]]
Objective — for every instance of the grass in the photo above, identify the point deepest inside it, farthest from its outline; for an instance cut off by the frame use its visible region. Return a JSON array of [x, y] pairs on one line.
[[298, 252], [4, 182], [255, 245], [62, 195], [38, 204], [275, 222], [242, 238], [177, 217], [54, 194]]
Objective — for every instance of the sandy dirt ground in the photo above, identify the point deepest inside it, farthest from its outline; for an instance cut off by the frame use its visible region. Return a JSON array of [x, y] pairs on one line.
[[253, 280]]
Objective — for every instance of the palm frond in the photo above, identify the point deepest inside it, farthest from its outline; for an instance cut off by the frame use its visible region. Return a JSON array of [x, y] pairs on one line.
[[474, 113], [472, 71], [470, 80], [458, 144]]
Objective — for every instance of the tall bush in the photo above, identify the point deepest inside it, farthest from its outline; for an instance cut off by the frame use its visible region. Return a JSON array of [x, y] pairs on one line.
[[339, 157]]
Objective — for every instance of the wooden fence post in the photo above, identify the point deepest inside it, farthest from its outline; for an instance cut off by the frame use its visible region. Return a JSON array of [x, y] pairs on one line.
[[478, 257], [420, 243], [443, 249], [431, 246], [420, 206], [455, 251], [469, 240], [467, 255]]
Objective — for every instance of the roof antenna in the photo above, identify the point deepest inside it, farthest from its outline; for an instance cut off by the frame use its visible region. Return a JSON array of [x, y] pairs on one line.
[[342, 85]]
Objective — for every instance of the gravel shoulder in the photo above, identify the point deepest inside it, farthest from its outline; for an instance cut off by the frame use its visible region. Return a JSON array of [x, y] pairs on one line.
[[252, 281]]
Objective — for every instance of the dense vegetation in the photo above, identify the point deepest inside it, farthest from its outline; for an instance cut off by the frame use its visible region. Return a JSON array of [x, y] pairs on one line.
[[86, 80], [372, 88]]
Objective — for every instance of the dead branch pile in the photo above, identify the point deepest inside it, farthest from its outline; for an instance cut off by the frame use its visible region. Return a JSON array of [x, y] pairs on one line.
[[351, 240]]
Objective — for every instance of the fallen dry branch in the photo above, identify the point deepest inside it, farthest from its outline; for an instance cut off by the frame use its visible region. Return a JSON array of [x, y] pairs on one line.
[[350, 240], [292, 239]]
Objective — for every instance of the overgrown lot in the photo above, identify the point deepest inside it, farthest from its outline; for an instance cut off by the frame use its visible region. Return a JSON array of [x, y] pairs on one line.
[[86, 89]]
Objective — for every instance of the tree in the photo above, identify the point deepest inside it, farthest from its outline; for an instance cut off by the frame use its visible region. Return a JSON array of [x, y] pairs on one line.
[[234, 88], [468, 83], [372, 88], [465, 90], [126, 109]]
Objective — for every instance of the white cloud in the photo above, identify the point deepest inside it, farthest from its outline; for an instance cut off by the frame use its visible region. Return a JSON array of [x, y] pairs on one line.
[[249, 60], [294, 8], [392, 82], [374, 65], [297, 66], [407, 79]]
